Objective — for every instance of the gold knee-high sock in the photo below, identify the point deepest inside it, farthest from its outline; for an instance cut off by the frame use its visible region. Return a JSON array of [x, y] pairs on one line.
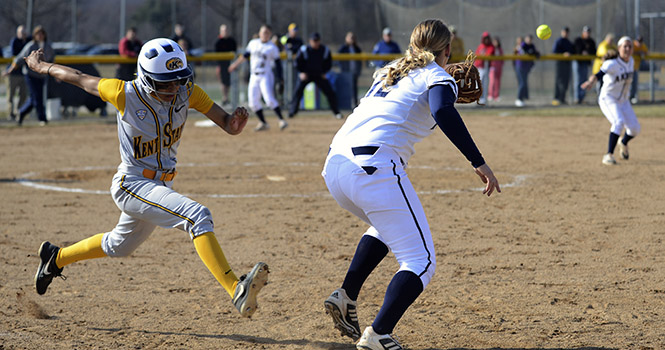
[[89, 248], [213, 257]]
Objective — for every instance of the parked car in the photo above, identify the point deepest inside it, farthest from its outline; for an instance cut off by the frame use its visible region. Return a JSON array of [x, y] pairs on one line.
[[103, 49], [70, 48]]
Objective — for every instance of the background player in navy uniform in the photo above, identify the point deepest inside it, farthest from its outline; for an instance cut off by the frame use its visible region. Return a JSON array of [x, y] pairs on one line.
[[365, 173], [152, 111], [313, 62], [616, 73]]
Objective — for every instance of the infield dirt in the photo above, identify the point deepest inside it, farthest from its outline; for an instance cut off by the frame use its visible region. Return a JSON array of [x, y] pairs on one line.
[[569, 256]]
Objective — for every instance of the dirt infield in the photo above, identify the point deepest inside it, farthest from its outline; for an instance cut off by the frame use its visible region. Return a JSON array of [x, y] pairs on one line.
[[569, 256]]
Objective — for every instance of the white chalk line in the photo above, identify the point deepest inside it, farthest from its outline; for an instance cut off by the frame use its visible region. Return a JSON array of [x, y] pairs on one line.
[[25, 180]]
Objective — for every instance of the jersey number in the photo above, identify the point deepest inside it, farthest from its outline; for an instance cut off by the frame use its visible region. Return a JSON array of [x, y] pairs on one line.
[[378, 90]]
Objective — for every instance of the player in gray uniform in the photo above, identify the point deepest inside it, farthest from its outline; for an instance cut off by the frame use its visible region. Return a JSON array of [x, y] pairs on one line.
[[617, 76], [152, 111], [365, 173]]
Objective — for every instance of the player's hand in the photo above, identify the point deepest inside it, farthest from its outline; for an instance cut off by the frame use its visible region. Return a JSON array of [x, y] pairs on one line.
[[35, 58], [237, 121], [586, 85], [488, 178], [303, 76]]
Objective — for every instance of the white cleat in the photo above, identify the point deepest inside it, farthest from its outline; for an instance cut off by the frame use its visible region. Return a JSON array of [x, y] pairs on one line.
[[339, 116], [283, 124], [344, 313], [249, 285], [372, 341], [608, 159], [262, 126], [623, 150]]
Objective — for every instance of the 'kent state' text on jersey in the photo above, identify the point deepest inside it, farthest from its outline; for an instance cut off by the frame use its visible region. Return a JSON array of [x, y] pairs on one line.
[[149, 131]]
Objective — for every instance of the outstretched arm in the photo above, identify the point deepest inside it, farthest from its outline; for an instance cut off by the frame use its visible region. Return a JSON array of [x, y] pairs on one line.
[[236, 63], [69, 75], [592, 80], [441, 101]]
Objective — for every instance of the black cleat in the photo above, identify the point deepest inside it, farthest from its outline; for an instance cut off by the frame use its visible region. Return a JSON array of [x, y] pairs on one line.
[[47, 267]]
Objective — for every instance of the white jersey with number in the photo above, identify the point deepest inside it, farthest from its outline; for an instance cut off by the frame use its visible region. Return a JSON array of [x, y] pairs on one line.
[[398, 117], [262, 56], [617, 79]]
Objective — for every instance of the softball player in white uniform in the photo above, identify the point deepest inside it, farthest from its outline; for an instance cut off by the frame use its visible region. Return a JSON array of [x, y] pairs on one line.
[[365, 173], [263, 55], [617, 76], [152, 111]]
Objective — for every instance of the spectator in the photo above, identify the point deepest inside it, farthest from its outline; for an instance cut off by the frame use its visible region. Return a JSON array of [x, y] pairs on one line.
[[129, 46], [16, 81], [263, 56], [563, 68], [34, 80], [225, 43], [603, 47], [291, 41], [457, 53], [179, 34], [516, 51], [277, 71], [485, 48], [385, 46], [352, 67], [584, 45], [640, 50], [496, 70], [524, 68], [313, 62]]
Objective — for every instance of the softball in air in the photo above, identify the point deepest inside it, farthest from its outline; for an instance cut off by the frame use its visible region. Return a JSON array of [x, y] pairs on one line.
[[544, 32]]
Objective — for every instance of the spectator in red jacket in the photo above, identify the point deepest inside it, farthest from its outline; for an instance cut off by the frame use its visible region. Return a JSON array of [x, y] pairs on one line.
[[129, 46], [484, 49]]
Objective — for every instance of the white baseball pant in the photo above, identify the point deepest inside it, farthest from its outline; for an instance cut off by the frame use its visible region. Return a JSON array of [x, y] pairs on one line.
[[386, 201], [261, 84], [620, 115]]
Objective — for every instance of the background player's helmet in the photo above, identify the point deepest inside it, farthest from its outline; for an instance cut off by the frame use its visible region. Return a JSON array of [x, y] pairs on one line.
[[163, 60]]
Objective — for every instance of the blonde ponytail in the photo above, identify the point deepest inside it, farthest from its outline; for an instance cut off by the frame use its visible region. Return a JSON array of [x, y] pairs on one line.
[[428, 39]]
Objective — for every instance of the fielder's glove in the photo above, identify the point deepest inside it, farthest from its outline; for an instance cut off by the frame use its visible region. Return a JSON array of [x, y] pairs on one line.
[[467, 78]]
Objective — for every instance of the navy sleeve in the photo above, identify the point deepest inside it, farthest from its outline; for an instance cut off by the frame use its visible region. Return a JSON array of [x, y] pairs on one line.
[[442, 106], [246, 54], [278, 70], [599, 75]]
